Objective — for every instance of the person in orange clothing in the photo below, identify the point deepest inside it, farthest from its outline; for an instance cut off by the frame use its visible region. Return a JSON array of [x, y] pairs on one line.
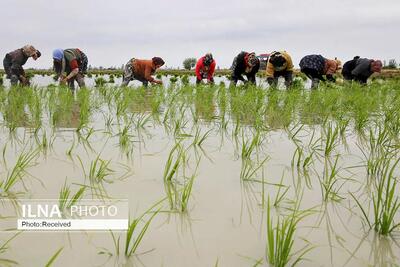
[[316, 66], [205, 68], [142, 70]]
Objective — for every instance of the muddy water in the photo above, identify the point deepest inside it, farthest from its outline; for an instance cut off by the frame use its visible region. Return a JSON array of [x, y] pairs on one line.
[[226, 220]]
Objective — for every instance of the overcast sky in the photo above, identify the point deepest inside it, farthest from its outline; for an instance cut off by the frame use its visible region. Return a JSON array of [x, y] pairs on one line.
[[111, 32]]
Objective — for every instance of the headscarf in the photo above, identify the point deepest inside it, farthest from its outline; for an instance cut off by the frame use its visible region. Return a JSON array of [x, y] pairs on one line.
[[277, 60], [251, 59], [58, 54], [208, 59], [376, 66], [29, 50], [338, 63], [158, 61]]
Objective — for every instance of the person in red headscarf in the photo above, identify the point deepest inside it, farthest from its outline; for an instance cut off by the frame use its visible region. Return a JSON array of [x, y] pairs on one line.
[[245, 64], [205, 68]]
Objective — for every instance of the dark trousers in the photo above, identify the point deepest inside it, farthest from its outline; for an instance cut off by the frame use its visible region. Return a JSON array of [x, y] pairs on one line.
[[250, 79], [14, 76], [350, 77], [314, 75], [287, 75], [79, 78]]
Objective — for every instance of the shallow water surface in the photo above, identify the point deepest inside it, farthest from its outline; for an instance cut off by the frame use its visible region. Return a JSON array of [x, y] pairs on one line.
[[225, 221]]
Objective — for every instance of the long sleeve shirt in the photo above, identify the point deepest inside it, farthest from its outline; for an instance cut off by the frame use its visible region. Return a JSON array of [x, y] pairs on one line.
[[143, 69], [203, 71], [288, 66]]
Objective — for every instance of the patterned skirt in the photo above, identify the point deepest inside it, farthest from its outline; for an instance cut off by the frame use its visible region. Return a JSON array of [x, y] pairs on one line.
[[129, 71], [84, 63]]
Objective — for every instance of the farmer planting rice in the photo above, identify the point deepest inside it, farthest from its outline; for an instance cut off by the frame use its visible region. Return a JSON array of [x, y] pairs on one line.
[[205, 68], [360, 69], [245, 64], [14, 61], [279, 64], [316, 66], [142, 70], [73, 62]]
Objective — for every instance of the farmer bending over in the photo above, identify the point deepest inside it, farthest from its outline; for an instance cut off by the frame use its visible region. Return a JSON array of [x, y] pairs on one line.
[[360, 69], [141, 70], [14, 61], [205, 68], [245, 64], [279, 64], [73, 62], [315, 66]]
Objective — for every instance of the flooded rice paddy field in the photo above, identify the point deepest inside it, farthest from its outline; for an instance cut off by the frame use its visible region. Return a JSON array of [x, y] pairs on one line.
[[221, 176]]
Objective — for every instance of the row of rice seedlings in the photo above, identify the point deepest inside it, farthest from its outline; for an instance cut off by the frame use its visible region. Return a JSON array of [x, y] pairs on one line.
[[13, 109], [62, 108], [86, 107], [281, 237], [385, 201], [286, 98], [20, 170]]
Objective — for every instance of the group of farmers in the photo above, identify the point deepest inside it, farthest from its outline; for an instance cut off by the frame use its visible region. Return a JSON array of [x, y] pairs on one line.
[[71, 65]]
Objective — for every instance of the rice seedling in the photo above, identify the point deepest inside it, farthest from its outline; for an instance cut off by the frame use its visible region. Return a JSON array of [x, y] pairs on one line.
[[141, 121], [199, 138], [186, 190], [100, 81], [54, 257], [329, 188], [178, 186], [299, 159], [67, 198], [330, 140], [281, 238], [3, 248], [250, 169], [176, 158], [280, 196], [24, 161], [250, 166], [385, 202], [98, 173], [137, 228]]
